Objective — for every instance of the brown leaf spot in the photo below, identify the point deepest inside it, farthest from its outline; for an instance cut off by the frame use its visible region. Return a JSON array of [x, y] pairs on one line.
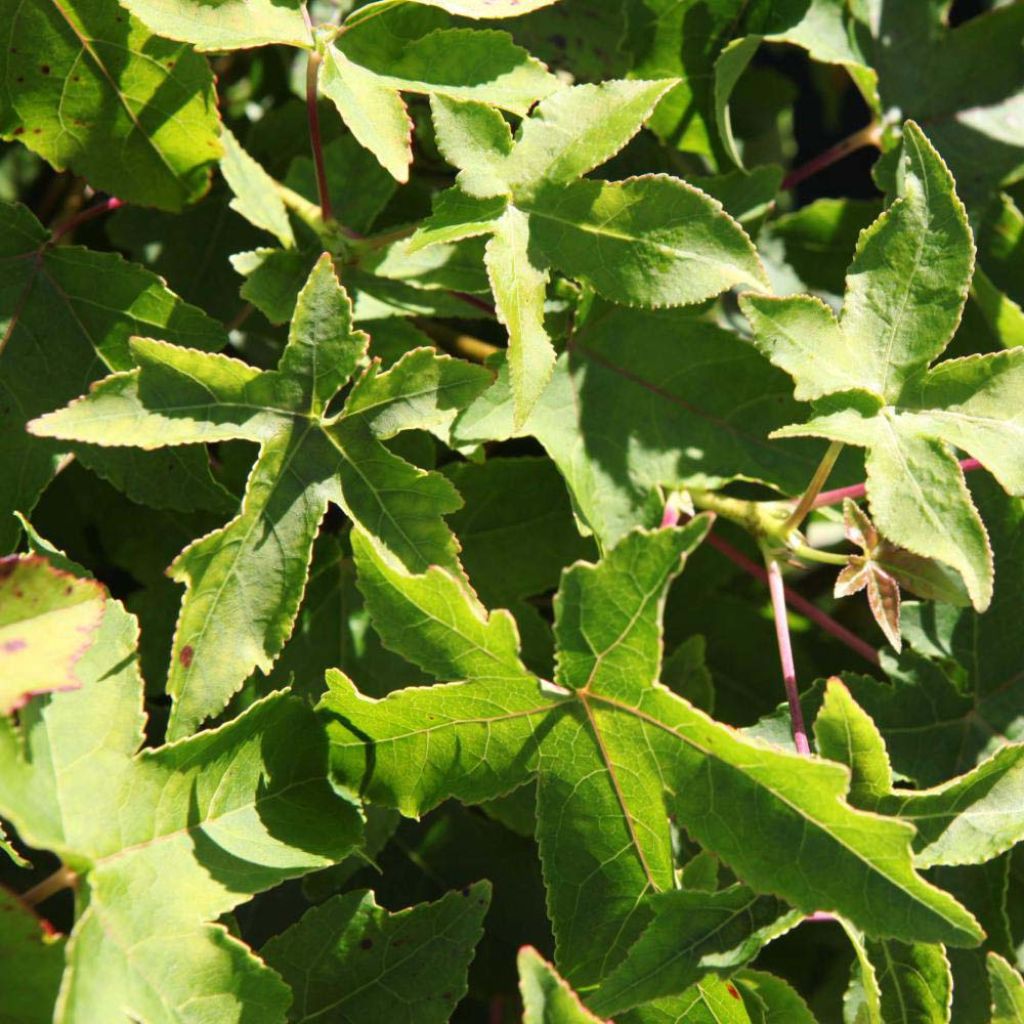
[[186, 655], [732, 991], [45, 68]]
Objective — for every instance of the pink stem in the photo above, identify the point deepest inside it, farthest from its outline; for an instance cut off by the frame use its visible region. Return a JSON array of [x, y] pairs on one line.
[[83, 217], [820, 915], [798, 602], [778, 591], [671, 517], [859, 490]]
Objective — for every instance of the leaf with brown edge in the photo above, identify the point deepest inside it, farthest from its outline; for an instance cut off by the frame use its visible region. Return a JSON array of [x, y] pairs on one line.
[[47, 621]]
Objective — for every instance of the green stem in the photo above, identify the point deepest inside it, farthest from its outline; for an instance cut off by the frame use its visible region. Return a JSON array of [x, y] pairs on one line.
[[814, 555], [818, 481], [62, 878]]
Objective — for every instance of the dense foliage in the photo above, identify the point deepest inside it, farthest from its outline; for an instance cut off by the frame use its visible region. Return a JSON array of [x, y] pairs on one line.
[[368, 376]]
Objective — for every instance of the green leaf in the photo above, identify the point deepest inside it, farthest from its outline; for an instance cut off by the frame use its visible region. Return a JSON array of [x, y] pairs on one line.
[[216, 819], [691, 933], [462, 8], [47, 621], [256, 195], [68, 314], [519, 287], [349, 959], [1007, 991], [906, 289], [307, 460], [475, 138], [649, 241], [547, 998], [578, 129], [90, 88], [461, 63], [432, 620], [620, 429], [711, 1001], [228, 25], [31, 962], [516, 528], [969, 819], [771, 999], [914, 981], [374, 112], [845, 733], [615, 754]]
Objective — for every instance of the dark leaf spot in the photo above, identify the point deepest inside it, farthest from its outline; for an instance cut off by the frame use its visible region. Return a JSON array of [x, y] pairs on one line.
[[45, 68], [366, 944]]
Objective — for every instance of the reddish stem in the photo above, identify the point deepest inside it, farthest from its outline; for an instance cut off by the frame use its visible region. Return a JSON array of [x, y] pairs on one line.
[[869, 135], [474, 301], [778, 591], [315, 138], [859, 490], [671, 517], [83, 217], [496, 1010], [798, 602]]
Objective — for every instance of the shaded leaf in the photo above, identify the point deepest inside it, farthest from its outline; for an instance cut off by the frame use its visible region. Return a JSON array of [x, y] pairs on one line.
[[97, 92], [349, 959], [307, 460]]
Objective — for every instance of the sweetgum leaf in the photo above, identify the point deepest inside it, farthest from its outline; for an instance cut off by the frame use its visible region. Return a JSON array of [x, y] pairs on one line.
[[1007, 991], [214, 819], [691, 932], [68, 313], [615, 753], [374, 112], [905, 292], [256, 196], [88, 86], [650, 241], [31, 962], [462, 63], [620, 428], [547, 998], [307, 459], [349, 959], [47, 621], [969, 819], [227, 25]]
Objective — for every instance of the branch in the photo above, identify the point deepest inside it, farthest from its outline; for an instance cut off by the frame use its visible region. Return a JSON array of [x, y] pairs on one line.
[[83, 217], [869, 135]]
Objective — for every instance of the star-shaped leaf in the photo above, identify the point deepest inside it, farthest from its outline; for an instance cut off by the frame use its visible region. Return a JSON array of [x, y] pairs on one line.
[[614, 754], [869, 372], [404, 48], [351, 960], [249, 576], [647, 401], [647, 241], [67, 314], [969, 819], [88, 86], [47, 620], [164, 841]]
